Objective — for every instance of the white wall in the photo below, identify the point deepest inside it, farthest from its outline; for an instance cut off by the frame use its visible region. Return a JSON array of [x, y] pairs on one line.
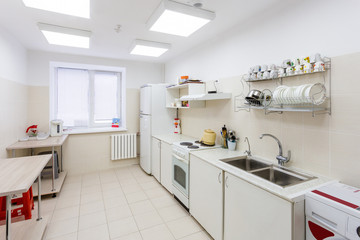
[[13, 91], [137, 73], [13, 60], [329, 27], [87, 152], [325, 144]]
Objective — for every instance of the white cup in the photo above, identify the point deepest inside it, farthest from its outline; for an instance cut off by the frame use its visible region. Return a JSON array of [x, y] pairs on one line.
[[248, 77], [286, 63], [295, 62], [253, 76], [281, 72], [306, 59], [274, 73], [257, 68], [308, 68], [259, 75], [299, 69], [264, 67], [319, 66], [272, 67], [266, 75], [315, 58], [289, 71]]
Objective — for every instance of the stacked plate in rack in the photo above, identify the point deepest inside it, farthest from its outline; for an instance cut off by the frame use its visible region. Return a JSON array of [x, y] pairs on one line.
[[298, 95]]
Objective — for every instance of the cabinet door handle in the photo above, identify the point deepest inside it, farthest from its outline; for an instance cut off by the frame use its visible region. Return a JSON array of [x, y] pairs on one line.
[[219, 177], [226, 182]]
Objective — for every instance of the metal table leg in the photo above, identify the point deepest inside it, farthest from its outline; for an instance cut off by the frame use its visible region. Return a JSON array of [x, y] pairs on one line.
[[61, 169], [53, 169], [8, 217], [39, 198]]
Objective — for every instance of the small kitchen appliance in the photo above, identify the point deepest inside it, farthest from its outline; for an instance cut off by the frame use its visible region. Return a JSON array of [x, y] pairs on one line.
[[180, 167], [32, 130], [56, 128], [208, 137], [333, 212]]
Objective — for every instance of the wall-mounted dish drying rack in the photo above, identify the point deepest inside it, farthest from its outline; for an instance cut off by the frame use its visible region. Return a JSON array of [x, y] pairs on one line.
[[315, 102]]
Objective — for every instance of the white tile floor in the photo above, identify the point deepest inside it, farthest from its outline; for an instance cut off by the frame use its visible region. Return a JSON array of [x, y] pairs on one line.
[[119, 204]]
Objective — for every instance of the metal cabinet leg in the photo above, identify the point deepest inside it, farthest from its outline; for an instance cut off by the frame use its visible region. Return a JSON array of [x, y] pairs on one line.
[[61, 151], [8, 217], [39, 198], [53, 169]]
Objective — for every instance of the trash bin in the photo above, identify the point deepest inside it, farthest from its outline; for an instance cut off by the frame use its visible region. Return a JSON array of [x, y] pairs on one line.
[[48, 168]]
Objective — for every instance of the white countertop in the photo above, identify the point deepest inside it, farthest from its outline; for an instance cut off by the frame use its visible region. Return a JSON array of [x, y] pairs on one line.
[[49, 142], [171, 138], [18, 174], [292, 193]]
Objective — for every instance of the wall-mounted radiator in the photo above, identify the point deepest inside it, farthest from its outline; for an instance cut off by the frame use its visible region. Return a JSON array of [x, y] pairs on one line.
[[123, 146]]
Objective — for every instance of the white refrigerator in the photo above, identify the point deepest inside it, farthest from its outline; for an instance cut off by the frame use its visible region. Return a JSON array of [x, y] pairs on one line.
[[155, 119]]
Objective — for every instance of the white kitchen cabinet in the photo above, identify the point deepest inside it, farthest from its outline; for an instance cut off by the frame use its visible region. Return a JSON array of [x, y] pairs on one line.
[[166, 166], [155, 158], [252, 213], [206, 196]]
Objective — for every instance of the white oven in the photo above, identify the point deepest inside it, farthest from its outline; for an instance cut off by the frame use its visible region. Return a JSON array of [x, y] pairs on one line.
[[180, 179], [180, 168]]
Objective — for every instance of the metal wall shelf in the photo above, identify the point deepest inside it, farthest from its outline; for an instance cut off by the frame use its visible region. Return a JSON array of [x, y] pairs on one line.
[[241, 104]]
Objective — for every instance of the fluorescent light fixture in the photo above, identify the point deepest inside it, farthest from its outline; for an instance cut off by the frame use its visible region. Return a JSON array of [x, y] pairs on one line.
[[65, 36], [147, 48], [78, 8], [178, 19]]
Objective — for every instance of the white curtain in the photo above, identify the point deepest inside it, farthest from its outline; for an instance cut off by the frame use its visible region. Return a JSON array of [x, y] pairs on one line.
[[105, 97], [73, 97]]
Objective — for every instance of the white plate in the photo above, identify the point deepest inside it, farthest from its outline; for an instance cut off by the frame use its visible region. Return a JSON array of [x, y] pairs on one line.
[[316, 93]]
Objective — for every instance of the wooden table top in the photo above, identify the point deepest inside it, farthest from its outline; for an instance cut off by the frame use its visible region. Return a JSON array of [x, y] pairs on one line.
[[18, 174], [49, 142]]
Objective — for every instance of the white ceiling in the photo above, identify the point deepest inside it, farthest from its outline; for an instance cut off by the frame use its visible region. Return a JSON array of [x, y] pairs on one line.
[[132, 15]]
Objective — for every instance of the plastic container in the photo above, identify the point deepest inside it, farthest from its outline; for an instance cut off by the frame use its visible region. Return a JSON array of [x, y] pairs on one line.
[[231, 145]]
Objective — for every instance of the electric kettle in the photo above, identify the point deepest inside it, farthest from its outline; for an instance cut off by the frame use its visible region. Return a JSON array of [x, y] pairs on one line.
[[208, 137]]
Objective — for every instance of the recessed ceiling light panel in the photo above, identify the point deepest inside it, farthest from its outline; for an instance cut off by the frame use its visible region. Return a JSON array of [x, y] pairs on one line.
[[148, 48], [65, 36], [178, 19], [78, 8]]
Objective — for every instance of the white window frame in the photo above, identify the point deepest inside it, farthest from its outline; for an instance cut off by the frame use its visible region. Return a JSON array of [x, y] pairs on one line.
[[93, 128]]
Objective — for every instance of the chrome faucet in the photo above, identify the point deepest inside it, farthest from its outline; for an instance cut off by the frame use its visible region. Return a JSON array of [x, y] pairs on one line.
[[281, 159], [248, 152]]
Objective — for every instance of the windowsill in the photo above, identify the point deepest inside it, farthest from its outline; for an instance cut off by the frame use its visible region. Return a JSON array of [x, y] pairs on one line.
[[94, 130]]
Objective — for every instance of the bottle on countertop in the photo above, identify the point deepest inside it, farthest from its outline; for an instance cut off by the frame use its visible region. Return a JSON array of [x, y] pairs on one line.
[[224, 137]]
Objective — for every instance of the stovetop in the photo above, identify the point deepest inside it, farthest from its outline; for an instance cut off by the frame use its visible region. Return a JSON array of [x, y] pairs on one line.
[[192, 145]]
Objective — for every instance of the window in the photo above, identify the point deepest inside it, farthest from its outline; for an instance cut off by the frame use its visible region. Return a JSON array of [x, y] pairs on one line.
[[87, 97]]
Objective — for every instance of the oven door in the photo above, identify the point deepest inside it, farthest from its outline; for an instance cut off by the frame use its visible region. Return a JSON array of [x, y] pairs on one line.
[[180, 173]]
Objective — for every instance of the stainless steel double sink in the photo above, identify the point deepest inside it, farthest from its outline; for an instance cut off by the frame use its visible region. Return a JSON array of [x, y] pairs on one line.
[[278, 175]]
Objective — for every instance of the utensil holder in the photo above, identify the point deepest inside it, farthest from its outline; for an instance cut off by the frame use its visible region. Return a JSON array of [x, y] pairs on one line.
[[231, 145]]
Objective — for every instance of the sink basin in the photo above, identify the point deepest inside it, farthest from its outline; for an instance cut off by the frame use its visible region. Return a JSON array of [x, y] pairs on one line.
[[282, 177], [245, 163], [278, 175]]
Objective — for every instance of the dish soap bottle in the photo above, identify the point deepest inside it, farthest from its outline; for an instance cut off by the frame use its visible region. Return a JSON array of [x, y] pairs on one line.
[[224, 137]]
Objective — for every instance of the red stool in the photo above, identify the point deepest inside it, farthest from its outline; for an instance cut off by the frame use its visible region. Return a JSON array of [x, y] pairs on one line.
[[26, 200]]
